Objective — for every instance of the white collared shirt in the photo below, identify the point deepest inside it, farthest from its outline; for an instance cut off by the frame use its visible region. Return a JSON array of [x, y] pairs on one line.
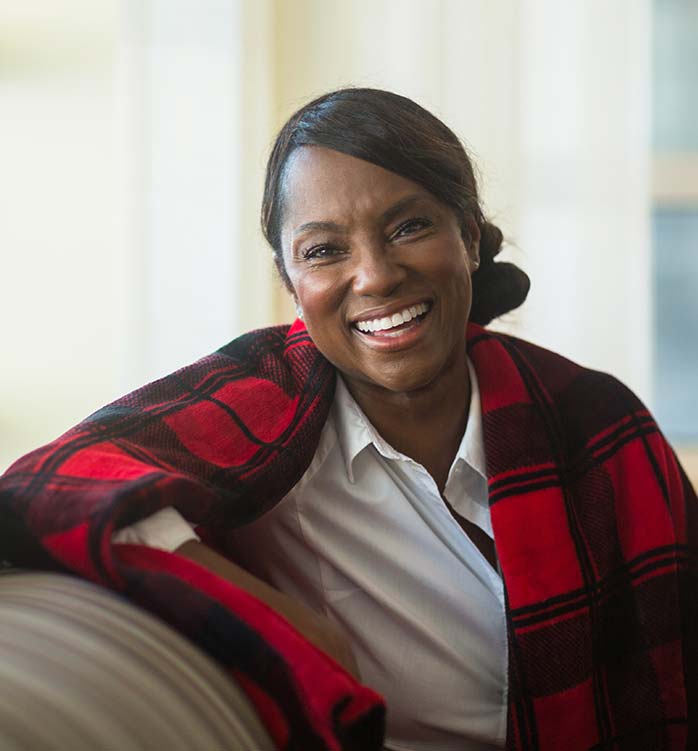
[[366, 538]]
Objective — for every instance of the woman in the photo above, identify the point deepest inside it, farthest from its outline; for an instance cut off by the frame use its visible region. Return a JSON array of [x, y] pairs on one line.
[[505, 537]]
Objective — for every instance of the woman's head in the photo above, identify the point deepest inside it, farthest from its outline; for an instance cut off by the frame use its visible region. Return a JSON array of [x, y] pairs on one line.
[[380, 270], [395, 133]]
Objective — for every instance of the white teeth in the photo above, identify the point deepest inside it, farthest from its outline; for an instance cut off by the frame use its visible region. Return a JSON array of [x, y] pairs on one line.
[[397, 319]]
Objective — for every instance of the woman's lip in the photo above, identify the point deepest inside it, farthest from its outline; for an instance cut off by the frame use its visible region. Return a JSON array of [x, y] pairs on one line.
[[389, 310], [390, 341]]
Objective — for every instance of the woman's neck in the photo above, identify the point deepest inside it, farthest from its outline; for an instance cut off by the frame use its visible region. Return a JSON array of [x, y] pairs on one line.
[[426, 424]]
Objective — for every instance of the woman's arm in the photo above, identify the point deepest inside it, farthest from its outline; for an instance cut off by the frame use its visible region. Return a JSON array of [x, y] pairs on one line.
[[316, 628], [168, 530]]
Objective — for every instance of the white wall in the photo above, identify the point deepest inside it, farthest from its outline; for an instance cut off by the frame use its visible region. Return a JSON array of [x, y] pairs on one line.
[[584, 181], [194, 109], [134, 139], [57, 292]]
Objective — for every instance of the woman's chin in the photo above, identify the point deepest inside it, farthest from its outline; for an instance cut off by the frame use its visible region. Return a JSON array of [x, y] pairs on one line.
[[403, 379]]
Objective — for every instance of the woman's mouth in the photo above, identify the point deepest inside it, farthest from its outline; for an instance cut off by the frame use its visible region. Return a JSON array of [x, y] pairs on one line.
[[395, 324]]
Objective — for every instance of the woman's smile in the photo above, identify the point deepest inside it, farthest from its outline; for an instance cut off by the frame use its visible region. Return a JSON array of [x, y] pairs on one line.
[[394, 331]]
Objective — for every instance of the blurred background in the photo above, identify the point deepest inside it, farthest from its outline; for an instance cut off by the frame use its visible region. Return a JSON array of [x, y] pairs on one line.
[[134, 138]]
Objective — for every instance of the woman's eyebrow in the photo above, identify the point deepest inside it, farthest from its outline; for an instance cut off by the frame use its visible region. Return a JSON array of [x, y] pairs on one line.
[[327, 226], [386, 216], [401, 205]]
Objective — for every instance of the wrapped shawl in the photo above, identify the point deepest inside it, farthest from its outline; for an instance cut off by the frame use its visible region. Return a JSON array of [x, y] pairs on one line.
[[595, 526]]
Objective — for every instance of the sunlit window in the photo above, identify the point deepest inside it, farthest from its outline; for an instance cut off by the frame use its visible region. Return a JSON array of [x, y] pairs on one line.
[[675, 220], [676, 322]]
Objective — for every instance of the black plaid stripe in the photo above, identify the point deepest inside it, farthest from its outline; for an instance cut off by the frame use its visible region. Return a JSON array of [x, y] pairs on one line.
[[557, 656], [649, 736], [631, 621], [661, 561], [519, 439], [593, 501], [592, 403], [688, 580], [522, 732], [520, 483], [629, 627]]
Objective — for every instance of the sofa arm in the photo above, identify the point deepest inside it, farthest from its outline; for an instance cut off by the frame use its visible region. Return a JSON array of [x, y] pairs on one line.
[[83, 669]]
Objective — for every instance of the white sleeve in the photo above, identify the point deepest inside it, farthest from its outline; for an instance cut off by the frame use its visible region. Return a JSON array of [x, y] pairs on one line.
[[166, 529]]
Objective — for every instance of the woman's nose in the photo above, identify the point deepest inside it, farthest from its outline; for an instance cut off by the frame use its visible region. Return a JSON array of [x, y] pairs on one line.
[[376, 271]]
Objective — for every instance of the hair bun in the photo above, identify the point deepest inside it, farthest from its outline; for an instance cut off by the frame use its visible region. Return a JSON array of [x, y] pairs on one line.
[[490, 242], [497, 289]]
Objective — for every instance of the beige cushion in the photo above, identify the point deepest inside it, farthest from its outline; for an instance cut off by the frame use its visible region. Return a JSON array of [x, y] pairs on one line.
[[82, 669]]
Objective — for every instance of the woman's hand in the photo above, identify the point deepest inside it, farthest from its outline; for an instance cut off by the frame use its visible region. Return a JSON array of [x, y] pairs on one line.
[[316, 628]]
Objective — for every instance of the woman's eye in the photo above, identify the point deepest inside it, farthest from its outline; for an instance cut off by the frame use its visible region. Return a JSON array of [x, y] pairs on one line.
[[411, 227], [319, 251]]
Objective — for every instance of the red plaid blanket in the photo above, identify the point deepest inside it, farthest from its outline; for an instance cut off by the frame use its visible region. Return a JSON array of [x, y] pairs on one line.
[[596, 528]]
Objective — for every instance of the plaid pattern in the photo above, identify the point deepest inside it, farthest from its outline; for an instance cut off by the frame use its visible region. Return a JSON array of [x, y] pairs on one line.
[[596, 529]]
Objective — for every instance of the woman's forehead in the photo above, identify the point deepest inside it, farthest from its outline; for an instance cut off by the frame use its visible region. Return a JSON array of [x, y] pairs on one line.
[[321, 184]]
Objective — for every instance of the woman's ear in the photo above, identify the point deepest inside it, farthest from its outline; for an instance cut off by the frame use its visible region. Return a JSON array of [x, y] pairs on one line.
[[297, 305], [281, 268]]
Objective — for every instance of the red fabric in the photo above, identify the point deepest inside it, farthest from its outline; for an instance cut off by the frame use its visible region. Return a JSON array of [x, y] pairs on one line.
[[596, 529]]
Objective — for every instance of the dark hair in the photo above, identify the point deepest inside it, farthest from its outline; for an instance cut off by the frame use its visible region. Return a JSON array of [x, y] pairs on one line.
[[397, 134]]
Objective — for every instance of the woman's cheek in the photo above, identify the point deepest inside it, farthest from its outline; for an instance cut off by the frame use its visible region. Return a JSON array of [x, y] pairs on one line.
[[319, 293]]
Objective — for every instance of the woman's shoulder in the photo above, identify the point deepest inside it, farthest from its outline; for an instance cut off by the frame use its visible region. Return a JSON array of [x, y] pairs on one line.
[[559, 376], [257, 367], [258, 342], [541, 387]]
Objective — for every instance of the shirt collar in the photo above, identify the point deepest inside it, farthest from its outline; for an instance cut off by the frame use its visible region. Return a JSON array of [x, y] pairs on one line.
[[355, 432], [472, 446]]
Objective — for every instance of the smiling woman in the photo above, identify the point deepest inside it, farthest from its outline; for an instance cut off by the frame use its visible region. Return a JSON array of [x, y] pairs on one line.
[[496, 541], [372, 209]]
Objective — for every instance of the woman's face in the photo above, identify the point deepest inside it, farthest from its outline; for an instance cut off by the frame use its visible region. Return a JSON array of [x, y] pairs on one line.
[[379, 269]]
